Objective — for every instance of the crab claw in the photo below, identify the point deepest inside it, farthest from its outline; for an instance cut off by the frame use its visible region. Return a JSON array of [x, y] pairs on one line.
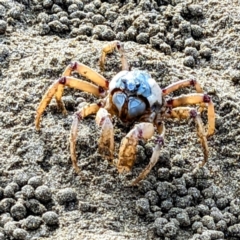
[[153, 160], [128, 148], [106, 141]]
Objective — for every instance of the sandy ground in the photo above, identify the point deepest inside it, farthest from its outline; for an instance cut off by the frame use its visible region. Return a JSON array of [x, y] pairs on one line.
[[105, 207]]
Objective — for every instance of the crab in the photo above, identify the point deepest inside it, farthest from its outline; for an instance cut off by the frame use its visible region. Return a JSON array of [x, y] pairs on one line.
[[133, 96]]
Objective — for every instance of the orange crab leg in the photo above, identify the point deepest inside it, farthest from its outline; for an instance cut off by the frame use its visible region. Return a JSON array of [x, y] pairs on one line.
[[196, 98], [182, 84], [185, 113], [127, 152], [45, 101], [54, 89], [58, 97], [109, 48], [79, 115], [106, 141], [86, 72], [154, 157]]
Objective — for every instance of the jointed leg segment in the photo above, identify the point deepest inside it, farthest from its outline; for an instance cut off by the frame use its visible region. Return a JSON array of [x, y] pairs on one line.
[[127, 153], [86, 72], [45, 101], [182, 84], [154, 158], [196, 98], [79, 115], [106, 141], [109, 48], [58, 87], [185, 113]]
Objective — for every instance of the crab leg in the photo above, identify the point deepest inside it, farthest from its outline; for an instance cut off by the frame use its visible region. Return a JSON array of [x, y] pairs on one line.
[[106, 141], [186, 112], [182, 84], [54, 89], [109, 48], [86, 72], [127, 153], [79, 115], [154, 158], [196, 98]]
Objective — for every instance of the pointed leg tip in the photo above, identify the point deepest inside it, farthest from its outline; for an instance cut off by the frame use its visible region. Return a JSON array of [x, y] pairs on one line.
[[64, 112], [134, 183], [37, 126], [76, 168], [209, 134]]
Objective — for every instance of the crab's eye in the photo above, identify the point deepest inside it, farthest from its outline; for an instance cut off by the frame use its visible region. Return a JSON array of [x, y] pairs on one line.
[[118, 45], [137, 85]]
